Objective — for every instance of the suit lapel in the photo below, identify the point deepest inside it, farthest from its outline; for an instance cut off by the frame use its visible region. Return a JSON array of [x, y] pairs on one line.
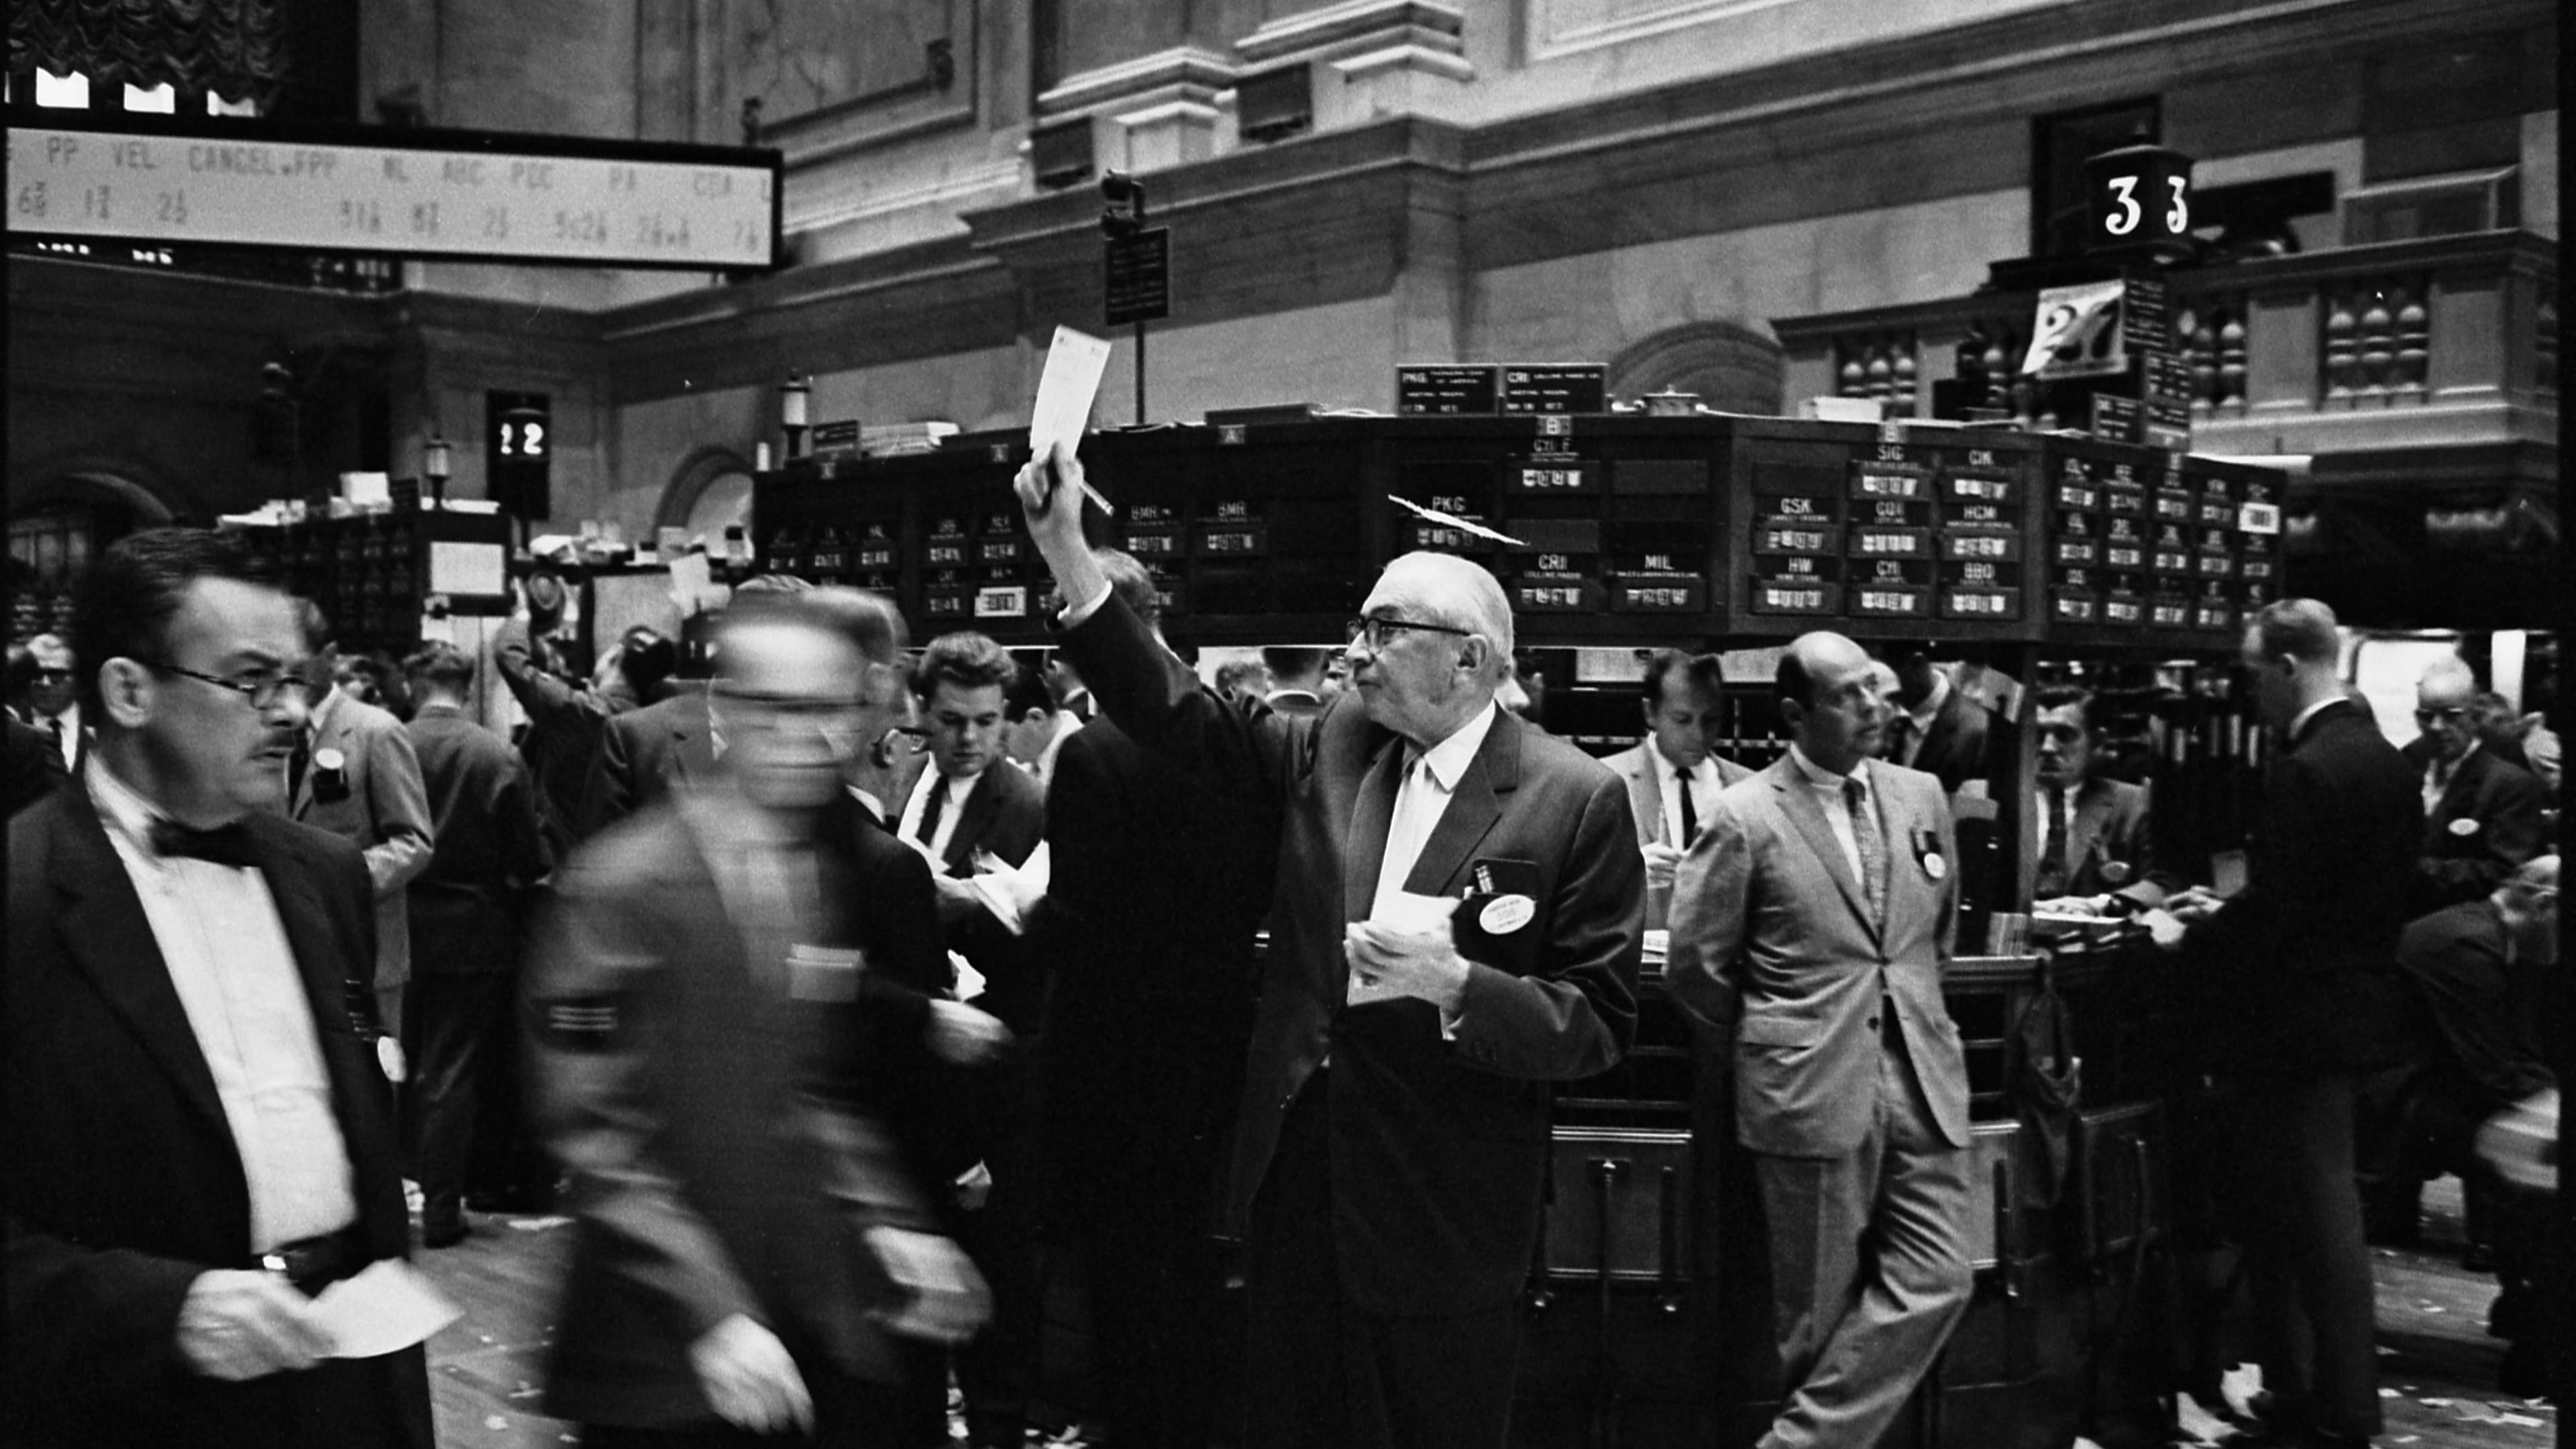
[[2092, 811], [1646, 794], [104, 928], [980, 809], [1472, 810], [1896, 827], [1798, 801], [2459, 796], [1364, 847]]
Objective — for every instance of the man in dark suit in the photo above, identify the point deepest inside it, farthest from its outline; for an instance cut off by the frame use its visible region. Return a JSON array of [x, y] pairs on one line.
[[195, 1131], [54, 699], [2482, 813], [566, 713], [1673, 777], [1814, 917], [1389, 1156], [2301, 964], [1159, 883], [2097, 837], [466, 911], [1937, 729], [746, 1237], [354, 774], [34, 768], [972, 802]]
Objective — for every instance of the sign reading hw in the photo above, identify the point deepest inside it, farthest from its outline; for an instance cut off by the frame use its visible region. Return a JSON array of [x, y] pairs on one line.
[[437, 193]]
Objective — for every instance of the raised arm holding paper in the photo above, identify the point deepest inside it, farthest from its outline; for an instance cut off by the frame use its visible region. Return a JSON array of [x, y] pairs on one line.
[[1389, 1154]]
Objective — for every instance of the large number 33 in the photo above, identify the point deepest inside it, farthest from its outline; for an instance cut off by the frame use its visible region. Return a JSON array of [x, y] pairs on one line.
[[2125, 220]]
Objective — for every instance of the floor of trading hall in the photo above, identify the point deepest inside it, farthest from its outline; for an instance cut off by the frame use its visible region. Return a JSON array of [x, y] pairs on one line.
[[2437, 1364]]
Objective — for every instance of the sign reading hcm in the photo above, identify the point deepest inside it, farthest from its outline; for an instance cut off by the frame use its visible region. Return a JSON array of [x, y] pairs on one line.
[[409, 192]]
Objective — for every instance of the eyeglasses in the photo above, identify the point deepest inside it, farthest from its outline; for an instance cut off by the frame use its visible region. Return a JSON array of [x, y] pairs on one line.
[[55, 676], [2451, 715], [1375, 631], [261, 688]]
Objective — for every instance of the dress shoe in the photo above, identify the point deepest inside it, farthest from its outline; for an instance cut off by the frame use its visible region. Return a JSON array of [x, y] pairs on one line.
[[2477, 1258]]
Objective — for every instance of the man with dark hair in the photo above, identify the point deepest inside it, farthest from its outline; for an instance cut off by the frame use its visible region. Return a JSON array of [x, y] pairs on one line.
[[1813, 919], [1030, 732], [1239, 680], [195, 1131], [2097, 840], [567, 715], [354, 774], [55, 697], [1296, 677], [745, 1234], [466, 910], [1392, 1142], [2299, 963], [1673, 776], [1160, 881], [1936, 729], [2482, 811], [970, 803]]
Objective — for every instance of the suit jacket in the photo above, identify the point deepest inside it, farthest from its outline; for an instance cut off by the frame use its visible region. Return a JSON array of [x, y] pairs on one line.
[[466, 908], [123, 1181], [2297, 966], [1439, 1147], [1158, 885], [710, 1099], [1957, 747], [644, 754], [2487, 823], [380, 806], [1636, 765], [565, 723], [2112, 844], [1771, 933], [34, 768], [1007, 816], [2481, 1011]]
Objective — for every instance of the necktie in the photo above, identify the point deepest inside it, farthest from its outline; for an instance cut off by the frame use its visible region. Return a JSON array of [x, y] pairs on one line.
[[223, 845], [54, 732], [1690, 811], [2053, 870], [928, 831], [1873, 849]]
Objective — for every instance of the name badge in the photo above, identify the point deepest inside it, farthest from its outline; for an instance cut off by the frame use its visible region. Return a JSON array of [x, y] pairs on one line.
[[2116, 872], [827, 974], [2464, 826], [1927, 848], [1505, 914]]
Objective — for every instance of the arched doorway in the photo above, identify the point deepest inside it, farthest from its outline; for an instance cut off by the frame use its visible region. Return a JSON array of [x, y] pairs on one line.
[[56, 529], [1732, 368], [711, 492]]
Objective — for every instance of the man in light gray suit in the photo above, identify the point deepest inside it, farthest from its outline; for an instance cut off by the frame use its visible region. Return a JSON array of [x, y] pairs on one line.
[[354, 773], [1815, 914], [1673, 780]]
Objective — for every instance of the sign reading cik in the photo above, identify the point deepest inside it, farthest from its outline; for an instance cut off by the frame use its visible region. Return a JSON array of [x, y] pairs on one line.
[[436, 193]]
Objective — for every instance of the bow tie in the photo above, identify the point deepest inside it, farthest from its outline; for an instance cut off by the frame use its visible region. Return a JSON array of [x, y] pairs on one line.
[[223, 845]]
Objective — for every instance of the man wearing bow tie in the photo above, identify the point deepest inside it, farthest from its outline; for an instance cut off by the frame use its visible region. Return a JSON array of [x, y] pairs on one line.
[[196, 1136]]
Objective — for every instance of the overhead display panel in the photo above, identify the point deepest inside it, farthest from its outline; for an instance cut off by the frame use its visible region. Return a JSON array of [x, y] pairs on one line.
[[407, 192]]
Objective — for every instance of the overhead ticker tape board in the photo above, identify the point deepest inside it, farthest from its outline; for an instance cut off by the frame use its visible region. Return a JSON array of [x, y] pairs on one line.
[[406, 192]]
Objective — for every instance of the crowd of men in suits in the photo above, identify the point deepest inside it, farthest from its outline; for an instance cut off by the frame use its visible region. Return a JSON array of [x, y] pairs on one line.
[[864, 988]]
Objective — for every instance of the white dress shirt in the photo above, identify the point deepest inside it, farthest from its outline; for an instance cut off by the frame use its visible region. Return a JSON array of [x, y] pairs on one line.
[[236, 976], [959, 792], [1702, 783], [1829, 789], [1423, 798]]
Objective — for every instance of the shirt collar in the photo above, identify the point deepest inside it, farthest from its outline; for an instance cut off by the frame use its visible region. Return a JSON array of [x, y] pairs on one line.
[[1665, 766], [123, 809], [1448, 760], [2300, 720], [1922, 713], [2439, 768], [1824, 779]]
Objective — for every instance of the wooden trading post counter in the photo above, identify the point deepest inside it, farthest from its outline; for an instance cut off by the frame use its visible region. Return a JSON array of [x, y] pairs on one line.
[[1649, 1306]]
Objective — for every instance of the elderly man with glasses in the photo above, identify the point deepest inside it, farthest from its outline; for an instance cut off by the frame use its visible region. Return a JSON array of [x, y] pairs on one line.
[[1456, 928], [2482, 813]]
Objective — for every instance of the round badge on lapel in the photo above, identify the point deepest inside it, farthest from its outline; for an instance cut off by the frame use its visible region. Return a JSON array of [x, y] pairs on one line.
[[329, 759], [1935, 867], [2116, 872], [2464, 826], [1505, 914]]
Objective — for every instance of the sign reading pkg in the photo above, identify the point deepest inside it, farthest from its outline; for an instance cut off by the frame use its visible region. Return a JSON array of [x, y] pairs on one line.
[[1442, 391]]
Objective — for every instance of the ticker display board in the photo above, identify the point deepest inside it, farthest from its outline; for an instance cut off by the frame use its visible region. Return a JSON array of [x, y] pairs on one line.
[[1627, 529], [409, 192]]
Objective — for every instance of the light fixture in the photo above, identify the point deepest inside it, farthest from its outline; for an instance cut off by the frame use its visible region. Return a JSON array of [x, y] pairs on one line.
[[793, 395], [433, 465]]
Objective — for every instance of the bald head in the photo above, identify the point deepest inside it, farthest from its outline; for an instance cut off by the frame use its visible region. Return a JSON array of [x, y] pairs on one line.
[[1453, 591], [1437, 649], [2528, 903], [1829, 696], [2444, 696]]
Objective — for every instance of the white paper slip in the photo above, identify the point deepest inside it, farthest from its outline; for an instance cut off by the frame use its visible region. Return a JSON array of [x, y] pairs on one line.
[[1065, 392], [689, 580], [385, 1307], [1405, 911]]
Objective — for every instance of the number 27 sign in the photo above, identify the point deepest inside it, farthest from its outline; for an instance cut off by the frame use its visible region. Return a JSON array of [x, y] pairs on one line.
[[2140, 200]]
